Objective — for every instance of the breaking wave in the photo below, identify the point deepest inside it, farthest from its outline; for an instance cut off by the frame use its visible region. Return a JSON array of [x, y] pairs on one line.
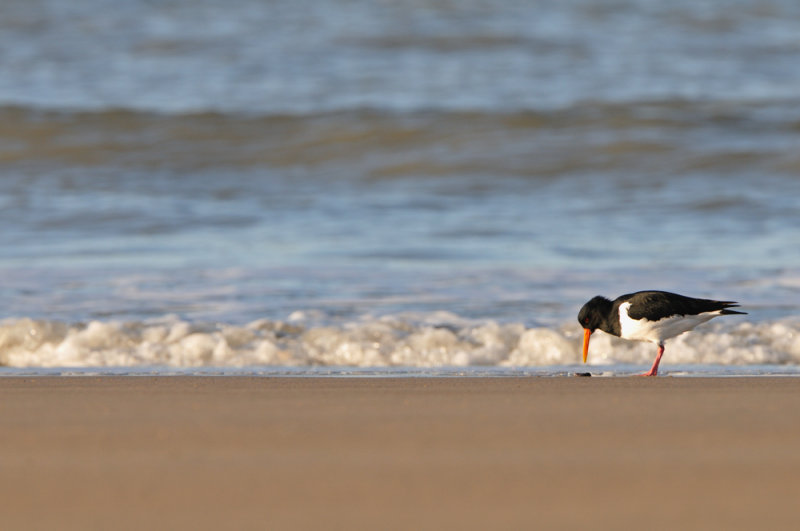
[[434, 340]]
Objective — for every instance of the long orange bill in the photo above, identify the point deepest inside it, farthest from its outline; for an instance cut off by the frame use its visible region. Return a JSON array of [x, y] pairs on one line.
[[586, 334]]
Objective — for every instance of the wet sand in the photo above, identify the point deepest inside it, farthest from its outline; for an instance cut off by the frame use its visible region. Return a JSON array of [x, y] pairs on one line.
[[384, 453]]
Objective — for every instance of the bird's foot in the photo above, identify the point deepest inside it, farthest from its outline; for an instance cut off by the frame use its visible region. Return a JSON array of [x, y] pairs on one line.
[[654, 369]]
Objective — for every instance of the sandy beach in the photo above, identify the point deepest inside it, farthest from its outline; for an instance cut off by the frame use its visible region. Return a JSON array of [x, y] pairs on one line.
[[409, 453]]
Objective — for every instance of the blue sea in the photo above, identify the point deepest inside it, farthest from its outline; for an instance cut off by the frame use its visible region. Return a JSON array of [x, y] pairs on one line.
[[421, 187]]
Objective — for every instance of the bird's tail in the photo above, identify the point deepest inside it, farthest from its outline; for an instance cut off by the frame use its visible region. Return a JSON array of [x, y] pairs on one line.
[[731, 312], [726, 305]]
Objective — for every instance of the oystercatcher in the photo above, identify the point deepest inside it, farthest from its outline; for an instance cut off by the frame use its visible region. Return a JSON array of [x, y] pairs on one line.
[[653, 316]]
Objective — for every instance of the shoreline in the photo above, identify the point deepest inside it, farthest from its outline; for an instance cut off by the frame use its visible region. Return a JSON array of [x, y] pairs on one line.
[[398, 453], [617, 370]]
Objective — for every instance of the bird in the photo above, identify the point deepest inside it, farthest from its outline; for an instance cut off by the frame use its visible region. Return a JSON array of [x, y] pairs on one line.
[[653, 316]]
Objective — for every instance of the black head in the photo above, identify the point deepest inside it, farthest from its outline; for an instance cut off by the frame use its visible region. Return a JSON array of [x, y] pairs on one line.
[[594, 313]]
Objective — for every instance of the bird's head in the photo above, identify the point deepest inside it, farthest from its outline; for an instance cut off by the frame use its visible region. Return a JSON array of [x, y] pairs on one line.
[[591, 316]]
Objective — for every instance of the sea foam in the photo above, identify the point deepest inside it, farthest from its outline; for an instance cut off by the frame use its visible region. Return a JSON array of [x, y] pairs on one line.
[[423, 341]]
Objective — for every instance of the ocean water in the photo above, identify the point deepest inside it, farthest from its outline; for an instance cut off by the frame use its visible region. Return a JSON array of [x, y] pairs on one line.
[[393, 186]]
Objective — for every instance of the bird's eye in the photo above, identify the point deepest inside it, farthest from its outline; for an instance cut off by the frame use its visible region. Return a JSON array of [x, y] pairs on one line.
[[585, 320]]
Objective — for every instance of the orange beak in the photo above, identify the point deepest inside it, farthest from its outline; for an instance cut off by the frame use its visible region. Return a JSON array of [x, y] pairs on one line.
[[586, 334]]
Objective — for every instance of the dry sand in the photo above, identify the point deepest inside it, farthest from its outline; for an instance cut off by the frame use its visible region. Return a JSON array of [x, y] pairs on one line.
[[411, 453]]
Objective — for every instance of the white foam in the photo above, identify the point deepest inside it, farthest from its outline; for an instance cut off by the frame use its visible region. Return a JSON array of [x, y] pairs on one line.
[[432, 340]]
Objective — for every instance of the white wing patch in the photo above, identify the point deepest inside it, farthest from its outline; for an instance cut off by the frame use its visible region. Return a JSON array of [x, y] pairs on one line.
[[657, 331]]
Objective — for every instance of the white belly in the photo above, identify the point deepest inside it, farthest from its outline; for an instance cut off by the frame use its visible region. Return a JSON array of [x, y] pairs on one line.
[[658, 331]]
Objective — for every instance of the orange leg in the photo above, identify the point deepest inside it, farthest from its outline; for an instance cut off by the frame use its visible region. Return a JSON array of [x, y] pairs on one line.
[[654, 369]]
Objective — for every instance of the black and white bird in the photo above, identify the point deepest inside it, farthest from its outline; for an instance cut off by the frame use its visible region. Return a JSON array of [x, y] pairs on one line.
[[653, 316]]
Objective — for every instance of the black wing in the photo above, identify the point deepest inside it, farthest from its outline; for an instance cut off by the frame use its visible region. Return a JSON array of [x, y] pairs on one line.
[[655, 305]]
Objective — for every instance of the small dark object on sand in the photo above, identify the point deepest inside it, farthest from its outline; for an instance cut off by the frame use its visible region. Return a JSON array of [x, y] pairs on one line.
[[584, 374]]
